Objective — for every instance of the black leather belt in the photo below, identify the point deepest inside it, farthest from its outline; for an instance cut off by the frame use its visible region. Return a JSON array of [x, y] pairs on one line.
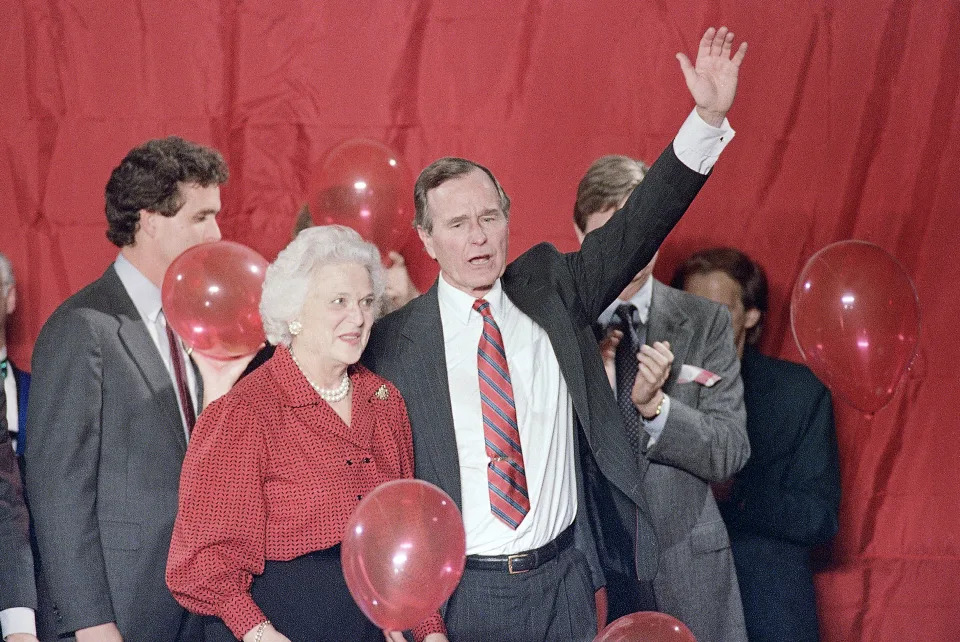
[[522, 562]]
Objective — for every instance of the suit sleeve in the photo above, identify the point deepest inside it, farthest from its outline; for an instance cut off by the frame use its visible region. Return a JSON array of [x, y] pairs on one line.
[[611, 255], [62, 456], [219, 540], [798, 502], [709, 441], [17, 588]]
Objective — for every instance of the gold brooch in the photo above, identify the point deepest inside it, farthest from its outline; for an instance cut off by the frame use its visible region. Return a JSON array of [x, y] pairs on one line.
[[382, 393]]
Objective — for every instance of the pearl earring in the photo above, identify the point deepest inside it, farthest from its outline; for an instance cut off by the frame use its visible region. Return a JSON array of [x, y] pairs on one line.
[[295, 327]]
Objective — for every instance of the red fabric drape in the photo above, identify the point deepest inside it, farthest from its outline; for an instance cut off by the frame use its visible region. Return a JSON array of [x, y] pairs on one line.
[[847, 122]]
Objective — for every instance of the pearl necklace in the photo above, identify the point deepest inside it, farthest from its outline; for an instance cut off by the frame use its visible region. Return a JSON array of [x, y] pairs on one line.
[[330, 395]]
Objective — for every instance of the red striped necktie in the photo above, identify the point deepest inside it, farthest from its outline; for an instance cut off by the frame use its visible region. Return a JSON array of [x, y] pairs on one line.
[[506, 477], [180, 372]]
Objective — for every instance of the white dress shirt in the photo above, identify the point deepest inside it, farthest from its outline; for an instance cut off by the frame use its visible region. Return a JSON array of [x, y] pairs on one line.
[[544, 405], [146, 298], [10, 388], [18, 619], [544, 415]]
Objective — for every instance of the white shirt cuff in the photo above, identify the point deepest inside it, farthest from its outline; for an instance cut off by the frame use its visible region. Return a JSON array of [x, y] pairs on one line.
[[698, 145], [655, 426], [18, 619]]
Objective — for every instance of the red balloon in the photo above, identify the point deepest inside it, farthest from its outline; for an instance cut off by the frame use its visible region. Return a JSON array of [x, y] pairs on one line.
[[855, 316], [365, 185], [646, 626], [211, 297], [403, 552]]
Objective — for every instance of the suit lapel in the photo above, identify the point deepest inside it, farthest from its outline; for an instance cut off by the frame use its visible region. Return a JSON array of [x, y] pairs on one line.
[[668, 322], [426, 356], [548, 313], [143, 351]]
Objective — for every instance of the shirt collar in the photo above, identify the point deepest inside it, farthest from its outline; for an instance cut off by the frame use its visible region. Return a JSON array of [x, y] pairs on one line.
[[641, 300], [459, 305], [143, 292], [3, 353]]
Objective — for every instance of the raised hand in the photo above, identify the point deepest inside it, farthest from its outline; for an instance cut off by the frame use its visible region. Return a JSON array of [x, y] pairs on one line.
[[713, 80]]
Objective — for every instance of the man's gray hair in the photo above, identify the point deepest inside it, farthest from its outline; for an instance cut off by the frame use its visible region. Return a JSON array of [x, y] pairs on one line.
[[439, 172], [288, 278], [7, 280]]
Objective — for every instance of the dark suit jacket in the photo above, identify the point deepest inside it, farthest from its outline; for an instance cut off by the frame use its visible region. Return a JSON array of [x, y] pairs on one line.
[[564, 294], [22, 379], [704, 440], [103, 459], [17, 587], [786, 498]]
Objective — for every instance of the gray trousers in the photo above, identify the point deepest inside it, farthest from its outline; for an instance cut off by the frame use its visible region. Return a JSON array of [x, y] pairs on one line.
[[550, 603]]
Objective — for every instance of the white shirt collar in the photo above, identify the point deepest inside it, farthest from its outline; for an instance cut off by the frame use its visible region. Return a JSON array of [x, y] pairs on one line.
[[459, 304], [641, 300], [143, 292]]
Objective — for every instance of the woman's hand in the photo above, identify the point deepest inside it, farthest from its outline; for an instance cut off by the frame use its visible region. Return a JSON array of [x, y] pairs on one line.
[[270, 634], [100, 633], [397, 636], [219, 375]]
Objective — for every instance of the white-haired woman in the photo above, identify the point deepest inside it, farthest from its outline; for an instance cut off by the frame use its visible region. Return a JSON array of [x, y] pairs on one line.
[[277, 465]]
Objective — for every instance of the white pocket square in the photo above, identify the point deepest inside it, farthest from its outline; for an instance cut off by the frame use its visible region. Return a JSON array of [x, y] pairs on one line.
[[690, 373]]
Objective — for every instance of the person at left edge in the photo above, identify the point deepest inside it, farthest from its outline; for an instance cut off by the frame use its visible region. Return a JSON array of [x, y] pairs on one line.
[[18, 593], [15, 381], [112, 401], [277, 466]]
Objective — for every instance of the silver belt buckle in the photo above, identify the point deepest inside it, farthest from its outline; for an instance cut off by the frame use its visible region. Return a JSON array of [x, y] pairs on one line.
[[510, 559]]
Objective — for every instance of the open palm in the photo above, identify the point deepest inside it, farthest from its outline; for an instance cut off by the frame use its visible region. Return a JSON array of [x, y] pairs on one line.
[[713, 80]]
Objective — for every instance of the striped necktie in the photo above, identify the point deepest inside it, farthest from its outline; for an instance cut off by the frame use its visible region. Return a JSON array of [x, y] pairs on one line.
[[506, 477]]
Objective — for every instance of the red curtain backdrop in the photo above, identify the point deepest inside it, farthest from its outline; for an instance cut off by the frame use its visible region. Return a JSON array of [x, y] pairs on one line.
[[847, 120]]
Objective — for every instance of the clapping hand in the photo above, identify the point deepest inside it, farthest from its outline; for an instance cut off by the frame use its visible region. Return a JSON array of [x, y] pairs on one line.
[[653, 371], [608, 352]]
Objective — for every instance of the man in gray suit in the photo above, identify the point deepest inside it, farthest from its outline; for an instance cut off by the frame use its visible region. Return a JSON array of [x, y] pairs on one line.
[[503, 381], [112, 402], [673, 364]]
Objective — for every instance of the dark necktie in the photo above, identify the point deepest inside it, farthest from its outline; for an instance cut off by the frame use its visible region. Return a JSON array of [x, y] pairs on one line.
[[180, 372], [627, 368], [506, 477], [4, 428], [627, 320]]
